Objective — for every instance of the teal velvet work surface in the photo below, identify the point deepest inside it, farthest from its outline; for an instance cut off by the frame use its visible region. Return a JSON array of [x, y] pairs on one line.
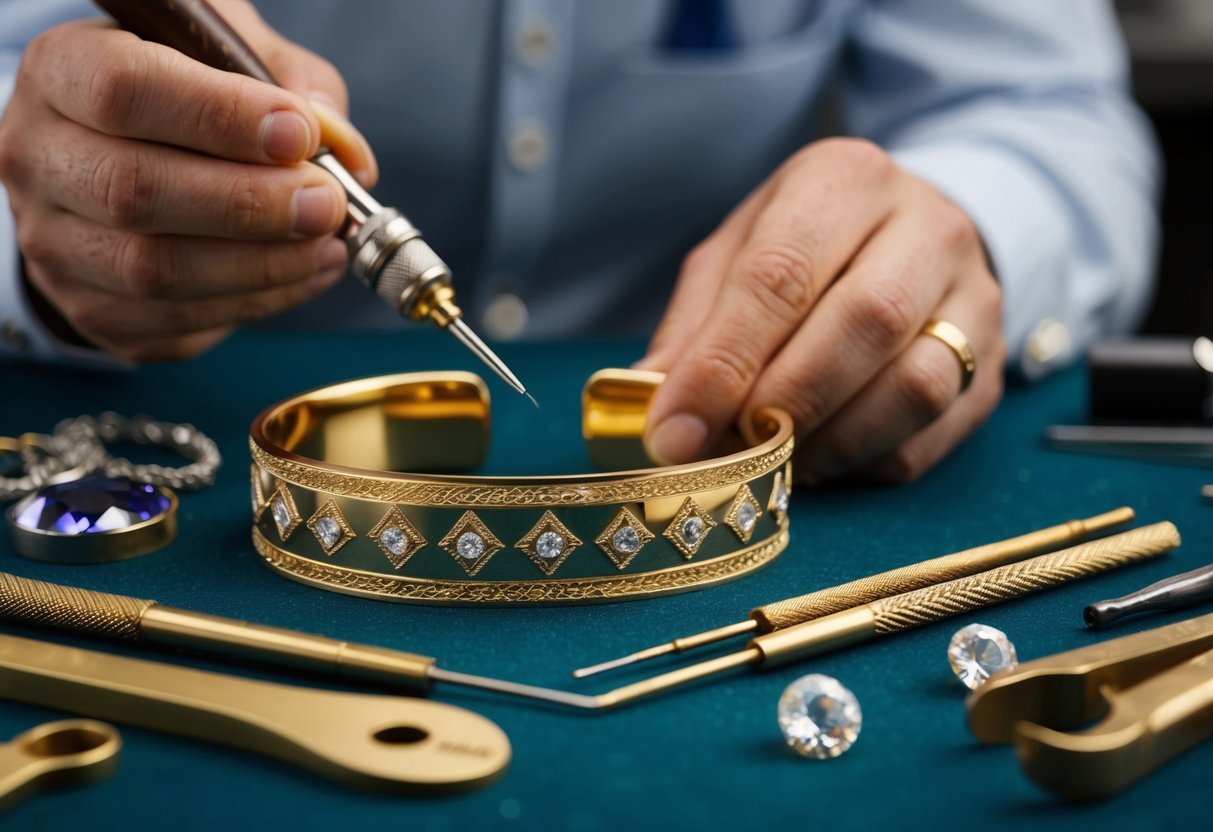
[[709, 756]]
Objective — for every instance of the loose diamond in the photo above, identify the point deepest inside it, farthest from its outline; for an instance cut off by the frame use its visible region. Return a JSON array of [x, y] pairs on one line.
[[470, 545], [747, 516], [626, 541], [328, 531], [91, 505], [819, 717], [976, 652], [692, 530], [549, 545], [281, 515], [394, 540]]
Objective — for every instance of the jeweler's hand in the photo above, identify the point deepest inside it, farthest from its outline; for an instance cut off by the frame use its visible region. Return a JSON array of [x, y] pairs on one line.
[[160, 202], [811, 296]]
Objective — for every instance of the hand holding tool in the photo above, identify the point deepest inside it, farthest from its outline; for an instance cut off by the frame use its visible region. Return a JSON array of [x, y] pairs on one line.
[[1171, 593], [54, 754], [376, 742], [835, 599], [1152, 693], [387, 250]]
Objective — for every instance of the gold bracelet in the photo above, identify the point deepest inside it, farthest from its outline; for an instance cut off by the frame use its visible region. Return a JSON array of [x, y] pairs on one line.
[[332, 509]]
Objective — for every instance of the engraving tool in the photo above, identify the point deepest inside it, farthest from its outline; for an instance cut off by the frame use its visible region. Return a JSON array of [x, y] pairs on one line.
[[387, 252], [780, 614], [1171, 593]]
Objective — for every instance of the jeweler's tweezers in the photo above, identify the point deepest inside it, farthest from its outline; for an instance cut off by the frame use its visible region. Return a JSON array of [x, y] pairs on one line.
[[137, 620], [823, 602]]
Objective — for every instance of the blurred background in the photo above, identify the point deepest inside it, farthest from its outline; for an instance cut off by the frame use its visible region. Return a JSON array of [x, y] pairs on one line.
[[1171, 45]]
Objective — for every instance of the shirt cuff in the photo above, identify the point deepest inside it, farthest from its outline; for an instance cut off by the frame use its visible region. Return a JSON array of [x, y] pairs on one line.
[[1027, 234]]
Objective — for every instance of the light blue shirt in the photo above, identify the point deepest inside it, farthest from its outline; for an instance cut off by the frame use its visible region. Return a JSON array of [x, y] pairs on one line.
[[564, 154]]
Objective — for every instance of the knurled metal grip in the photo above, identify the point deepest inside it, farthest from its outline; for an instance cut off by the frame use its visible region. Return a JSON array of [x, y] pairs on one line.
[[979, 591], [389, 255], [69, 608]]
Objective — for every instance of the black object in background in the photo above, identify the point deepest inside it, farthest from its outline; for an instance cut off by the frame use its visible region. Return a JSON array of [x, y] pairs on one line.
[[1151, 381]]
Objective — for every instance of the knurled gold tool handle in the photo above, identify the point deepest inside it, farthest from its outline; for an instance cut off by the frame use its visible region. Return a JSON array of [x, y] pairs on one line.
[[384, 743], [55, 754], [822, 602], [138, 620], [923, 606]]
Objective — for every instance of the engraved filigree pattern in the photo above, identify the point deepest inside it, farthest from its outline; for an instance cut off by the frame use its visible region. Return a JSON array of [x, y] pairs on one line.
[[401, 489], [577, 590], [531, 543]]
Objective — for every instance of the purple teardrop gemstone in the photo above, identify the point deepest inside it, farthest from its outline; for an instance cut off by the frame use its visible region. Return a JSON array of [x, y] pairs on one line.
[[91, 505]]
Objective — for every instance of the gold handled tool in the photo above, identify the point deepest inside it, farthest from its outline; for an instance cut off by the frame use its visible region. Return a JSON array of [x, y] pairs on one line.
[[384, 743], [387, 251], [835, 599], [137, 620], [1151, 692], [56, 754], [922, 606]]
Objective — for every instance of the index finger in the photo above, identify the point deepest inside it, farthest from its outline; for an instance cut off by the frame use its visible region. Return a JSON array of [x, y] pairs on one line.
[[115, 83], [825, 205]]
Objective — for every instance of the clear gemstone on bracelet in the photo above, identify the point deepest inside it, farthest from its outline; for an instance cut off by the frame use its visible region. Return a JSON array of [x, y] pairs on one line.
[[256, 491], [330, 527], [623, 538], [743, 514], [977, 652], [470, 543], [549, 543], [689, 528], [282, 507], [819, 717], [397, 537]]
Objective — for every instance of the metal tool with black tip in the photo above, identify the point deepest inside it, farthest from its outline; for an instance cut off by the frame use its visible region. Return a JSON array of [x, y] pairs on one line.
[[1183, 590], [386, 250]]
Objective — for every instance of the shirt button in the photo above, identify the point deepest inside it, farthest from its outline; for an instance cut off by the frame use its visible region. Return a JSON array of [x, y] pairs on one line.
[[528, 148], [14, 336], [506, 317], [1048, 341], [535, 43]]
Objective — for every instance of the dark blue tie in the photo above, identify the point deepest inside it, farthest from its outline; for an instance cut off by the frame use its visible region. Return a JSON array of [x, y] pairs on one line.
[[700, 25]]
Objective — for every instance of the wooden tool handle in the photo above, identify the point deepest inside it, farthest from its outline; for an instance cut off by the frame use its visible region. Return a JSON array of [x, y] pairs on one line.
[[193, 28]]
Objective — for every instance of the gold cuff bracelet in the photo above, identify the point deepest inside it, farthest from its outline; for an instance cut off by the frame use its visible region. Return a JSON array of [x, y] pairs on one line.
[[331, 507]]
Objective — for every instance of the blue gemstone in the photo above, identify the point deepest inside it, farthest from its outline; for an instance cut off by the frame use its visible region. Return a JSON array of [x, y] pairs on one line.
[[90, 506]]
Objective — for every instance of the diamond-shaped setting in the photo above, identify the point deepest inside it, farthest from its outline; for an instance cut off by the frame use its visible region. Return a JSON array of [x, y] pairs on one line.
[[743, 514], [256, 492], [689, 528], [778, 504], [397, 537], [330, 527], [549, 543], [623, 539], [470, 543], [282, 507]]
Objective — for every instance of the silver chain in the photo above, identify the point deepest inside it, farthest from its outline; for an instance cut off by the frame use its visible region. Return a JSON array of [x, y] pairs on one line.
[[77, 447]]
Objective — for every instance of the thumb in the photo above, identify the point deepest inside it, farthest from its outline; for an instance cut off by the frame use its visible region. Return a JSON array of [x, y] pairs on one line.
[[315, 80]]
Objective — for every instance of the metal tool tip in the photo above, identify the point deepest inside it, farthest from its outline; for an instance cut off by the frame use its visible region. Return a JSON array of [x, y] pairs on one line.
[[532, 398]]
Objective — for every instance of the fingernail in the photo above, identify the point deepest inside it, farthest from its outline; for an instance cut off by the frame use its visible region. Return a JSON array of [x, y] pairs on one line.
[[344, 139], [678, 439], [285, 136], [315, 210], [332, 255]]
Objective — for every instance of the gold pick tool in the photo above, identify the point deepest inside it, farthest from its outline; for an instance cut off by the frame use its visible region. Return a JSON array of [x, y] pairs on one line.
[[1151, 692], [913, 609], [384, 743], [835, 599], [134, 619], [56, 754], [387, 250]]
